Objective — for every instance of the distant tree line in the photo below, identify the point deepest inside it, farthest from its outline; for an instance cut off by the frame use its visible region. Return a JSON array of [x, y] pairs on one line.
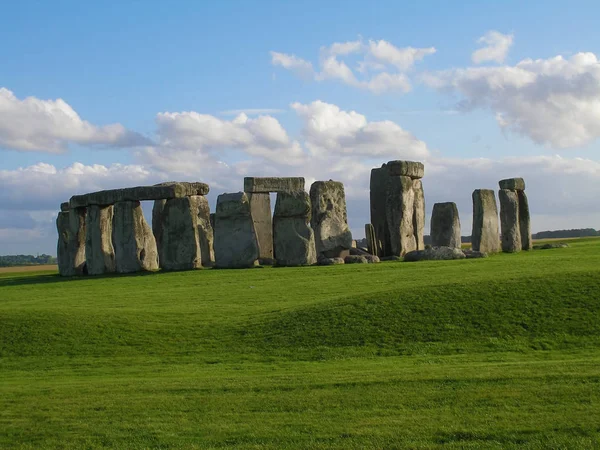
[[26, 260]]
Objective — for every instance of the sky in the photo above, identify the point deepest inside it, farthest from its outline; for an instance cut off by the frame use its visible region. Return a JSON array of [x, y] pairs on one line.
[[104, 95]]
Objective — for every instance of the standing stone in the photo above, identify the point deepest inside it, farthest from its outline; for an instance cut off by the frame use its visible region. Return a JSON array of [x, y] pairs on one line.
[[235, 238], [294, 240], [445, 225], [99, 251], [378, 193], [176, 225], [419, 214], [485, 235], [509, 220], [524, 221], [133, 241], [205, 231], [412, 169], [329, 219], [260, 209], [70, 252], [371, 241], [399, 210]]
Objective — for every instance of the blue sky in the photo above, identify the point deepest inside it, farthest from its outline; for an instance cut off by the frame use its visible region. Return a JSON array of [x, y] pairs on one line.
[[472, 121]]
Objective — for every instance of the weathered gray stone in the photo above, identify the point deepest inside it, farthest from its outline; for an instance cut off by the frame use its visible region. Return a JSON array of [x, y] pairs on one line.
[[273, 184], [294, 240], [355, 259], [524, 221], [176, 226], [512, 184], [329, 219], [471, 254], [378, 194], [64, 207], [358, 251], [372, 259], [412, 169], [133, 241], [70, 252], [434, 253], [390, 258], [485, 236], [212, 220], [445, 225], [370, 237], [160, 191], [323, 261], [400, 208], [235, 242], [509, 220], [205, 231], [419, 214], [550, 245], [260, 209], [99, 250]]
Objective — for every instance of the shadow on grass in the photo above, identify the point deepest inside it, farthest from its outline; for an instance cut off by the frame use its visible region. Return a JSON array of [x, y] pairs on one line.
[[20, 280]]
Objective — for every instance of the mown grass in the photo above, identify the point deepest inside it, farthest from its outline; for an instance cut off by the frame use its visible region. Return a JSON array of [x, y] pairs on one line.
[[495, 353]]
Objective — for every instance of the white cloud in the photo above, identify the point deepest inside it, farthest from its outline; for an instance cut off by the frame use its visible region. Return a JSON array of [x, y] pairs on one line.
[[51, 125], [381, 56], [496, 47], [553, 101]]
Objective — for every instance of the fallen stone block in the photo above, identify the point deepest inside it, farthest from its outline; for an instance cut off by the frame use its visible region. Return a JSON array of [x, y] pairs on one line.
[[472, 254], [355, 259], [434, 253], [330, 261]]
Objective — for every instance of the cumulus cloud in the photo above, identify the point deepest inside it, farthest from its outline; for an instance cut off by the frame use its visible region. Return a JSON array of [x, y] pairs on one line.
[[50, 126], [382, 68], [555, 101], [495, 47]]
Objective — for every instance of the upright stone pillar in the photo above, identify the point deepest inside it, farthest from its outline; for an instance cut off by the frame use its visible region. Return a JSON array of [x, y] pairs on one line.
[[485, 236], [509, 220], [399, 210], [378, 193], [445, 225], [419, 214], [524, 221], [99, 251], [329, 220], [294, 240], [205, 231], [260, 209], [235, 244], [70, 253], [371, 241], [133, 241]]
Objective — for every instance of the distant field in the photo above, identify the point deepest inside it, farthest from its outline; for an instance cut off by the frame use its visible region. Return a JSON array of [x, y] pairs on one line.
[[36, 268], [502, 352]]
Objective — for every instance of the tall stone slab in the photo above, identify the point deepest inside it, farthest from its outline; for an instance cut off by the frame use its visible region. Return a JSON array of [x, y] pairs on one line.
[[329, 219], [445, 225], [524, 221], [419, 214], [175, 223], [235, 242], [370, 237], [294, 240], [400, 199], [509, 220], [70, 252], [485, 236], [205, 231], [133, 241], [99, 250], [378, 193], [260, 209]]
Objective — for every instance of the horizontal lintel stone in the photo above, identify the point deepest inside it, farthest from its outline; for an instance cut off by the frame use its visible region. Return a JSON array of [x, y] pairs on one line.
[[412, 169], [273, 184], [512, 184]]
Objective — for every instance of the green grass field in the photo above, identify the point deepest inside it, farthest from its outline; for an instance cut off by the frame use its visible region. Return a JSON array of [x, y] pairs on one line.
[[502, 352]]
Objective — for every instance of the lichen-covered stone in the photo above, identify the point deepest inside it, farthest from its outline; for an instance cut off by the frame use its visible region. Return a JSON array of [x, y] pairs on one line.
[[355, 259], [509, 221], [412, 169], [260, 209], [99, 250], [329, 219], [133, 241], [524, 222], [445, 225], [378, 194], [64, 207], [399, 211], [294, 241], [206, 235], [419, 214], [434, 253], [370, 237], [485, 235], [70, 253], [472, 254], [323, 261], [273, 184], [512, 184], [235, 242]]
